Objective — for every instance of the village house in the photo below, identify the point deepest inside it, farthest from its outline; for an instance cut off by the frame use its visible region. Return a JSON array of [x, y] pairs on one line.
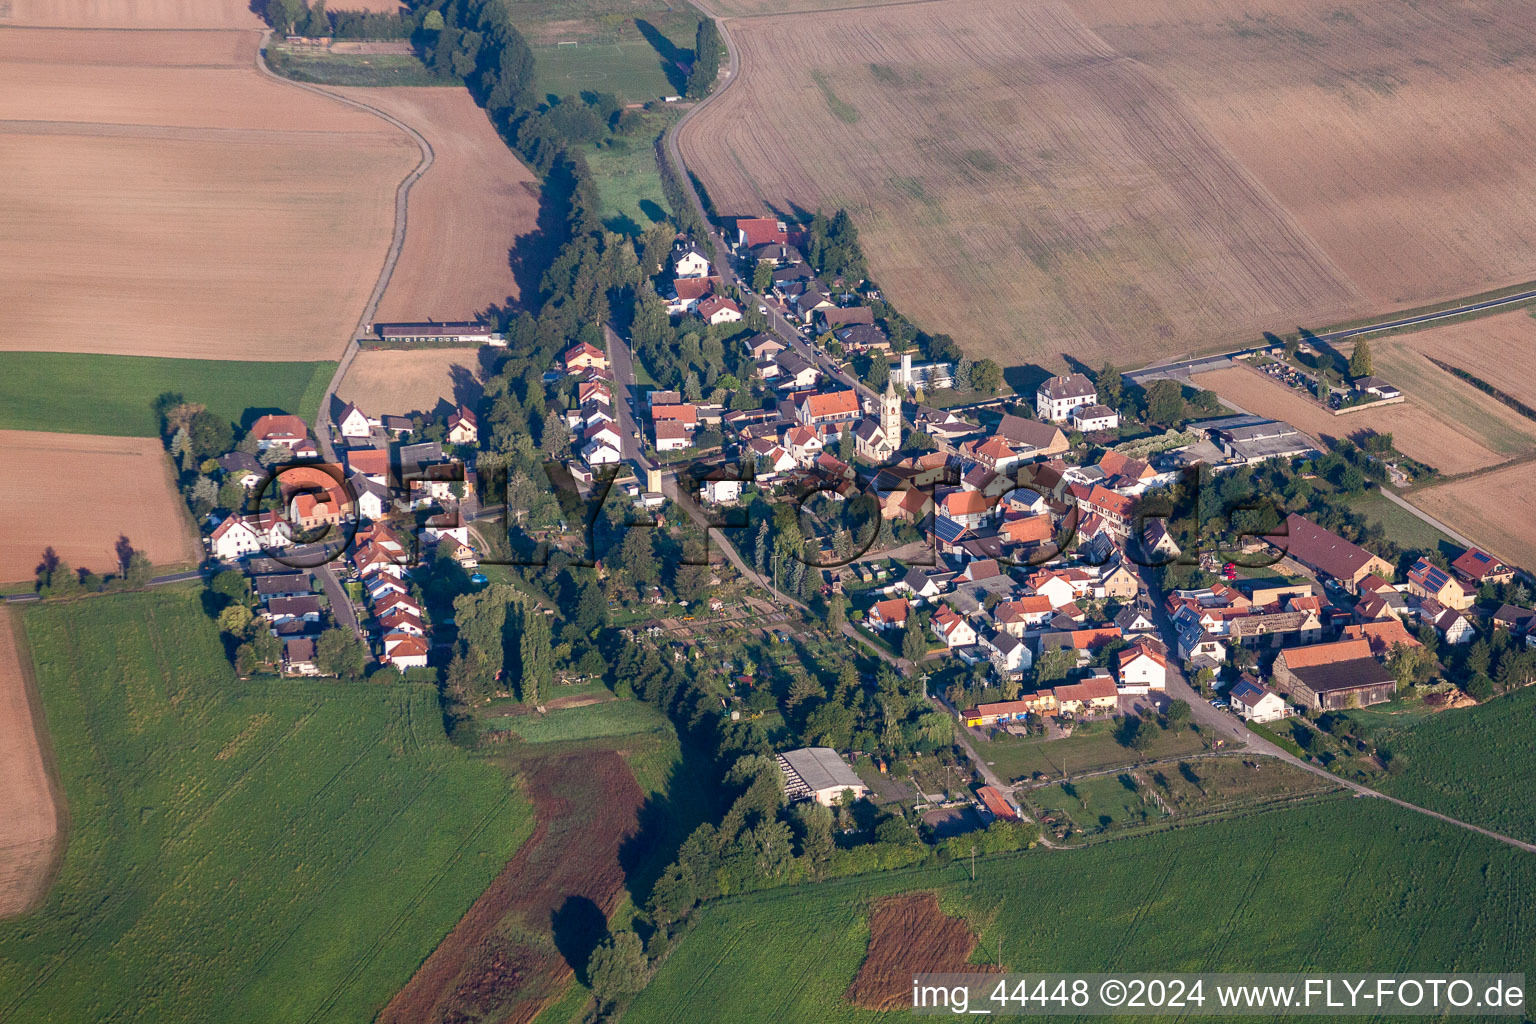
[[828, 408], [1479, 567], [233, 538], [584, 356], [1273, 629], [463, 427], [689, 260], [1009, 654], [1451, 624], [718, 309], [1330, 677], [1031, 439], [1427, 580], [1058, 396], [833, 318], [275, 430], [952, 628], [299, 656], [1255, 702], [687, 292], [721, 492], [403, 650], [1089, 418], [752, 232], [1091, 696], [353, 423], [1142, 667], [889, 614], [1135, 621]]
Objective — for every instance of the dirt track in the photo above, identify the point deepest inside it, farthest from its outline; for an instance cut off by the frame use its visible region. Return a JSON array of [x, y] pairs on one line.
[[30, 825]]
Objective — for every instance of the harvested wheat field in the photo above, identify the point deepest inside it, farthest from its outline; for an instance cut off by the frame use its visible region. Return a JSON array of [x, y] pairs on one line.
[[910, 935], [101, 488], [1497, 349], [1401, 137], [1491, 434], [168, 14], [465, 213], [29, 817], [1015, 182], [1493, 509], [165, 198], [395, 382]]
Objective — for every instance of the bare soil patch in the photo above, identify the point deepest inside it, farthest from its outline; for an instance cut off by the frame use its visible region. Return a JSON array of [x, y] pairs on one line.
[[97, 489], [908, 935], [165, 198], [1491, 508], [30, 820], [1015, 182], [1422, 427], [401, 381], [1402, 139], [466, 213], [506, 959]]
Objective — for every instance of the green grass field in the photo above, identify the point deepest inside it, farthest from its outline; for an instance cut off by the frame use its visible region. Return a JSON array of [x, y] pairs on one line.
[[1344, 885], [1403, 528], [242, 851], [101, 394], [1015, 758], [628, 181], [629, 67], [1475, 764], [595, 721], [321, 67]]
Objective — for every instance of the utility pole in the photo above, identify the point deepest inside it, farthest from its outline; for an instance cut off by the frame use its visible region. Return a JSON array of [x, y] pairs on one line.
[[973, 862]]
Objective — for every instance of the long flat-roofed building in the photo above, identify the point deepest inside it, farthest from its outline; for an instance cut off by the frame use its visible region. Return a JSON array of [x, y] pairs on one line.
[[818, 773]]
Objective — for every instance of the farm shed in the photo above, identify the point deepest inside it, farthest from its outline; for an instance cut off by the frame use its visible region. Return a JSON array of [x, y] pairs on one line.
[[818, 773]]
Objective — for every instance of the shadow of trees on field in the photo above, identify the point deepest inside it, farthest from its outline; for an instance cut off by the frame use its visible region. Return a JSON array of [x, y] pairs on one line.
[[578, 926], [672, 57]]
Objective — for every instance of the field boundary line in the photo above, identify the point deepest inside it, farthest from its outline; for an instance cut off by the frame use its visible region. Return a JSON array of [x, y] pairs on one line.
[[396, 244]]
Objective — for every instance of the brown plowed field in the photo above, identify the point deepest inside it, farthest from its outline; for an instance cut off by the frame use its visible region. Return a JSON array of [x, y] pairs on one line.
[[29, 819], [504, 960], [165, 198], [465, 213], [1015, 182], [909, 935], [78, 493], [395, 382], [1444, 423], [1492, 509], [1129, 179]]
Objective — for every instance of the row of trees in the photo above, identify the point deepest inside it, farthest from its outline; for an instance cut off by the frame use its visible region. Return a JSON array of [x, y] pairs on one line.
[[57, 578]]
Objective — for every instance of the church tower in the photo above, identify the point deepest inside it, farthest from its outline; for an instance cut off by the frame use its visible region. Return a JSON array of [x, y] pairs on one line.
[[890, 416]]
